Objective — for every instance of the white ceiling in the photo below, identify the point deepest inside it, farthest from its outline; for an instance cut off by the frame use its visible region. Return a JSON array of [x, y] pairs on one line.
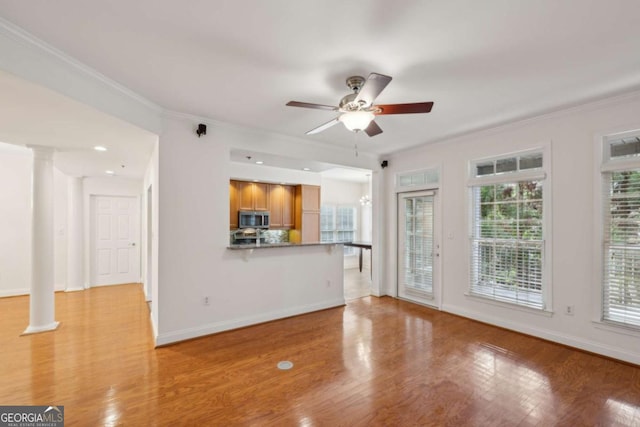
[[327, 170], [33, 115], [483, 63]]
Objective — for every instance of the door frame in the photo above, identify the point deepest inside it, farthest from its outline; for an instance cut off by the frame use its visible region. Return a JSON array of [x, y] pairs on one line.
[[91, 253], [148, 245], [437, 242]]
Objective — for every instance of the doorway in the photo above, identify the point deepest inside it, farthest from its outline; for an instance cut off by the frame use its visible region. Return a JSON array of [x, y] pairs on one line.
[[115, 253], [418, 247]]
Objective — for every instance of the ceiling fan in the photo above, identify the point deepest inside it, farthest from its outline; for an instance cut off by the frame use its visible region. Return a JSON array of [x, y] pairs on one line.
[[357, 111]]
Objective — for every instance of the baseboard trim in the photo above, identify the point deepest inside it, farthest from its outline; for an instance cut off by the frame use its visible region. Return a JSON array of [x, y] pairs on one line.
[[213, 328], [39, 329], [14, 292], [564, 339]]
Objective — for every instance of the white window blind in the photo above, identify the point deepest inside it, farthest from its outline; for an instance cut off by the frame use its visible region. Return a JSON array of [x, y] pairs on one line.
[[327, 223], [338, 224], [621, 284], [507, 230], [418, 245]]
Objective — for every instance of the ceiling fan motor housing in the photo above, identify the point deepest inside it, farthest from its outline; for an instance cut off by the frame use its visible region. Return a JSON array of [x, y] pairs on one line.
[[355, 83], [348, 103]]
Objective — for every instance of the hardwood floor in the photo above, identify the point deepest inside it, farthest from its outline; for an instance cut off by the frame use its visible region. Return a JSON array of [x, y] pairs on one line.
[[374, 362]]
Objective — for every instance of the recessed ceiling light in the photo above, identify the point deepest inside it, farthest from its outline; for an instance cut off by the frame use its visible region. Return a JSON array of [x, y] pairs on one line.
[[256, 180], [306, 169], [109, 172], [100, 148], [259, 162]]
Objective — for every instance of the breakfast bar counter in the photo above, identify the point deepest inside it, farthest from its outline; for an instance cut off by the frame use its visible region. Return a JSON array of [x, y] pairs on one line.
[[278, 245]]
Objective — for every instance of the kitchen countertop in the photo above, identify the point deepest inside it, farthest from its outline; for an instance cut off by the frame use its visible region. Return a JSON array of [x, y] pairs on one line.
[[278, 245]]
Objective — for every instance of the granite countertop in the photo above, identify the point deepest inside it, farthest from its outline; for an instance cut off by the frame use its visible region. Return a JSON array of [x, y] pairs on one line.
[[278, 245]]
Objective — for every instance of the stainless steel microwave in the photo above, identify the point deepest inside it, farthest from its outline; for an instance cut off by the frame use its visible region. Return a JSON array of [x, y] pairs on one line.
[[253, 219]]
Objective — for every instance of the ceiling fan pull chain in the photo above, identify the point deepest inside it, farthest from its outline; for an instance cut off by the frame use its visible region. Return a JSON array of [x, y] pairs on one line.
[[355, 142]]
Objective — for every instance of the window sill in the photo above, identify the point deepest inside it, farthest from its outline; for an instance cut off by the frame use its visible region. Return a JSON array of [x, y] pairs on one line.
[[617, 328], [511, 306]]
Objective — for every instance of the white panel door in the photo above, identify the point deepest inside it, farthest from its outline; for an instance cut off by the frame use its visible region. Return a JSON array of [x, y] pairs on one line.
[[115, 243], [417, 247]]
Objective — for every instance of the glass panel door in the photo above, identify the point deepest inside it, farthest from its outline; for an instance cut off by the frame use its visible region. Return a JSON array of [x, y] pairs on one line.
[[417, 247]]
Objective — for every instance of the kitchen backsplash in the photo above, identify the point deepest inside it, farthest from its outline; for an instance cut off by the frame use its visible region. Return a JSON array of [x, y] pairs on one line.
[[275, 236], [266, 236]]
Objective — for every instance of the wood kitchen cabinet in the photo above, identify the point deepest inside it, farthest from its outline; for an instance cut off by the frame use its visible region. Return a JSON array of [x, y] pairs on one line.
[[281, 205], [233, 205], [252, 196], [255, 196], [307, 213]]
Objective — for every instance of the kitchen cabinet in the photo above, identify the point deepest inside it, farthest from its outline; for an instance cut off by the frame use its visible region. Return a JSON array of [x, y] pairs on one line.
[[288, 206], [307, 213], [233, 205], [281, 205], [278, 199], [252, 196]]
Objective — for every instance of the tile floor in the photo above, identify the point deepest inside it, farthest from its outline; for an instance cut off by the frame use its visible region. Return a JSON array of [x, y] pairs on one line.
[[356, 284]]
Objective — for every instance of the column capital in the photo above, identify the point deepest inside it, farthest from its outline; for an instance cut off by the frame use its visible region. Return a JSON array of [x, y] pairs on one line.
[[42, 151]]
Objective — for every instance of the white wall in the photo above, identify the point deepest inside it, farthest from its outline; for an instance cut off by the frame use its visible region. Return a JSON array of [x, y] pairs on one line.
[[337, 192], [574, 185], [194, 261], [15, 220]]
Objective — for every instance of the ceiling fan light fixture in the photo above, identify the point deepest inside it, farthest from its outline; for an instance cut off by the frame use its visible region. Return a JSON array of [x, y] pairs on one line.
[[356, 120]]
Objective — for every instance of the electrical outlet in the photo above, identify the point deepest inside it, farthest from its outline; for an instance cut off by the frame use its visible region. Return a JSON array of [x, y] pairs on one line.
[[569, 310], [205, 301]]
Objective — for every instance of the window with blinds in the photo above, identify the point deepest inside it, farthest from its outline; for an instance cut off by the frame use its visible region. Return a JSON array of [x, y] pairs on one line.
[[507, 235], [621, 284], [338, 224], [418, 246]]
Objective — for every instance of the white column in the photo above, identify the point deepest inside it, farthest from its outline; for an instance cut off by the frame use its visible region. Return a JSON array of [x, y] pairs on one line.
[[75, 235], [42, 298]]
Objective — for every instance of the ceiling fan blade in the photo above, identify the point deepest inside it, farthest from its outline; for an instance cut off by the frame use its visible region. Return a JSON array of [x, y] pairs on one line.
[[373, 129], [323, 127], [372, 87], [416, 107], [310, 105]]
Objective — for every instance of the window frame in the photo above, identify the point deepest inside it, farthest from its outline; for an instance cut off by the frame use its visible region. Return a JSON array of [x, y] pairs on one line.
[[542, 174], [348, 251], [606, 167]]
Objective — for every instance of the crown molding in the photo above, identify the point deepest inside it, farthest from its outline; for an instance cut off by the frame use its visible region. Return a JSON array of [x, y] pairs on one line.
[[508, 125], [19, 35]]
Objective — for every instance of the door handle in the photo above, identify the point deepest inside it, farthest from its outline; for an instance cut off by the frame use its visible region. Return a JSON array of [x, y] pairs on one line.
[[133, 244]]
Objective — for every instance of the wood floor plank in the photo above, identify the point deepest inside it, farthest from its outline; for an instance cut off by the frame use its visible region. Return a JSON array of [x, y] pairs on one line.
[[377, 361]]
